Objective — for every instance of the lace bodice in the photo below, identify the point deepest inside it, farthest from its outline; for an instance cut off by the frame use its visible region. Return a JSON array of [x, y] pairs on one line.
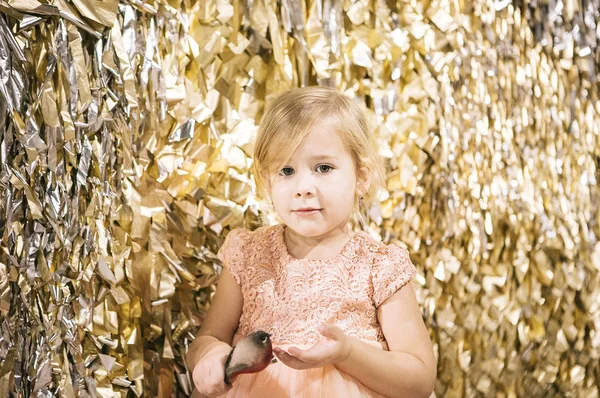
[[290, 297]]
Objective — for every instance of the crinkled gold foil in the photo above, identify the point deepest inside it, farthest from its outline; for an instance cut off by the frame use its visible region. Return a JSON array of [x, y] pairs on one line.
[[102, 12], [126, 130]]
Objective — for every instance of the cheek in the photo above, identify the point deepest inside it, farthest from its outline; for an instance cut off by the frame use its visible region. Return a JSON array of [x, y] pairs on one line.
[[345, 188], [278, 193]]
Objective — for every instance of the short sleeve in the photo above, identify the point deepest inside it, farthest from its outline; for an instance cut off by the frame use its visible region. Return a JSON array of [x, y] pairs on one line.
[[232, 252], [391, 270]]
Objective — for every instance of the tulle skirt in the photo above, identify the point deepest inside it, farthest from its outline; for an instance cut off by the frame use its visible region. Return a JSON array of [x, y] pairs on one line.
[[279, 381]]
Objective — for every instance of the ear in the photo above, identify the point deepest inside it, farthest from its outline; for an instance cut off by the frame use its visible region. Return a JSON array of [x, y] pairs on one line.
[[363, 181]]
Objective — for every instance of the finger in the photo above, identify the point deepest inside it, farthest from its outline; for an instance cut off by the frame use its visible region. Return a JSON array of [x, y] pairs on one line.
[[209, 382], [313, 355], [215, 385], [226, 388], [297, 352], [317, 354], [290, 360], [331, 332], [196, 377], [222, 389], [232, 379]]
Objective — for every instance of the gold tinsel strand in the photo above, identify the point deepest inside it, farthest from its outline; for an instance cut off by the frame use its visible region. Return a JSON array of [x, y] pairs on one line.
[[126, 130]]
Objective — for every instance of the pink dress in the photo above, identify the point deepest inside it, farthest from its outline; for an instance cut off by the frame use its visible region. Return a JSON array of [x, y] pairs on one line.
[[290, 298]]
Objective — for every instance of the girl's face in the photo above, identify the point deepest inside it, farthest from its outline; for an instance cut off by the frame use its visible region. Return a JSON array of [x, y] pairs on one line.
[[314, 192]]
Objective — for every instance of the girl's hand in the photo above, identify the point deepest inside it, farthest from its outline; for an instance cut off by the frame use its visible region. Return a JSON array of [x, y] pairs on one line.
[[333, 349], [209, 374]]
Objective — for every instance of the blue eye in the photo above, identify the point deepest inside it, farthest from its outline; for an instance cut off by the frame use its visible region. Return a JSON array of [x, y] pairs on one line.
[[286, 171], [324, 168]]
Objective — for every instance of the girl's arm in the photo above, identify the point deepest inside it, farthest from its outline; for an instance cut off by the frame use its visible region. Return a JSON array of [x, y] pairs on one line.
[[221, 322], [408, 369]]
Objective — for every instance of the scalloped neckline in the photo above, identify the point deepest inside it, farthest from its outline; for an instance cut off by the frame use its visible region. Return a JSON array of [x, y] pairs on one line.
[[343, 252]]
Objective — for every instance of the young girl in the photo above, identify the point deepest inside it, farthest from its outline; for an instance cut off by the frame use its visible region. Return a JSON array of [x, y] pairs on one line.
[[342, 315]]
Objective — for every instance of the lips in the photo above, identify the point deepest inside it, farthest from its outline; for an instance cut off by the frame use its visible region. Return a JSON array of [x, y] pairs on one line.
[[306, 211]]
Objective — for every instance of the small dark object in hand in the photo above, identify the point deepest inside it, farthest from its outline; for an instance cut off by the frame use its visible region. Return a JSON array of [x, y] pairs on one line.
[[251, 354]]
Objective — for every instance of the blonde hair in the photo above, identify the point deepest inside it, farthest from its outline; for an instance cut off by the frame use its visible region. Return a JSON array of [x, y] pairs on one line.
[[292, 116]]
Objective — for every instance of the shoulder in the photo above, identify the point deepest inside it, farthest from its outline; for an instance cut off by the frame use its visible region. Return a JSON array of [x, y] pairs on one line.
[[377, 252], [243, 247], [393, 258], [390, 270], [246, 242], [261, 234], [394, 252]]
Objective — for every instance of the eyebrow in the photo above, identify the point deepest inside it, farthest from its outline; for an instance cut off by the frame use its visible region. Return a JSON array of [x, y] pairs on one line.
[[323, 157]]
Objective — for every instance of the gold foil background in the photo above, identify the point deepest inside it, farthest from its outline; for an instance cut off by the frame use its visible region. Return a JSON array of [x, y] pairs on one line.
[[126, 130]]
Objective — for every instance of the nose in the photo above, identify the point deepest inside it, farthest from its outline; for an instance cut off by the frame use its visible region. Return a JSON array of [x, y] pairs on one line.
[[305, 185]]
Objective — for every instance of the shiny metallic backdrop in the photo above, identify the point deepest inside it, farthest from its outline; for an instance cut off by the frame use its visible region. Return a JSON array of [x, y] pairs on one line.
[[126, 130]]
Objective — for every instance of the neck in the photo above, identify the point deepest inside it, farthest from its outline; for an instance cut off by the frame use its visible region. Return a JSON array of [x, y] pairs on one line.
[[319, 247]]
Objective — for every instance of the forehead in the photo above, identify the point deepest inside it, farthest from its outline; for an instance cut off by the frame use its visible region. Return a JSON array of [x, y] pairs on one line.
[[321, 142]]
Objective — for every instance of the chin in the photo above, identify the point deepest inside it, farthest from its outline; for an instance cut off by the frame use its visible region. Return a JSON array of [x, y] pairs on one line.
[[301, 228], [307, 230]]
